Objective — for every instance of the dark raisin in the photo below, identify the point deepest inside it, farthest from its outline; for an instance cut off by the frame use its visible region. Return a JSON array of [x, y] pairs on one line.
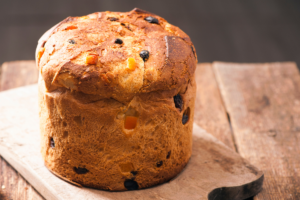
[[126, 26], [178, 102], [71, 41], [134, 172], [160, 163], [80, 170], [169, 154], [144, 55], [152, 20], [118, 41], [186, 116], [131, 185], [52, 144], [113, 19]]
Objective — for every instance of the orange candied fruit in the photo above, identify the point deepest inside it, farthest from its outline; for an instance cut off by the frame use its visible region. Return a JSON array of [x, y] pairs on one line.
[[71, 27], [91, 59], [130, 122], [131, 64], [84, 17], [40, 53]]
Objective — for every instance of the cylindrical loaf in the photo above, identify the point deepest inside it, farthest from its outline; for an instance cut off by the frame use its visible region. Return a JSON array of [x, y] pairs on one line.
[[116, 98]]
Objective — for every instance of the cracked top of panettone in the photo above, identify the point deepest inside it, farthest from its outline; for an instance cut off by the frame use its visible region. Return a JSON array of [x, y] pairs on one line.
[[115, 55]]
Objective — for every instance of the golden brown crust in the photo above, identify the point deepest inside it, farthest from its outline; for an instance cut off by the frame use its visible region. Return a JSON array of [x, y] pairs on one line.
[[172, 55], [89, 83], [91, 135]]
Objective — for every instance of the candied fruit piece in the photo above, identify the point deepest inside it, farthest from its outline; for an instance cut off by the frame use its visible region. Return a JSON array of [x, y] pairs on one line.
[[131, 185], [186, 116], [84, 17], [159, 164], [71, 41], [169, 154], [52, 144], [113, 19], [80, 170], [152, 20], [134, 172], [130, 122], [40, 53], [131, 64], [71, 27], [91, 59], [144, 55], [118, 41], [178, 102], [67, 80]]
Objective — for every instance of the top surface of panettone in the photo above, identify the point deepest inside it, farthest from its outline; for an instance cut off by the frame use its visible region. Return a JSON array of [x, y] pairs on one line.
[[115, 55]]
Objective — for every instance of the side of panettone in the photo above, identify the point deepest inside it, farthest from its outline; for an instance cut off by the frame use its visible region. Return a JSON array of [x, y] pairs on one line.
[[116, 97]]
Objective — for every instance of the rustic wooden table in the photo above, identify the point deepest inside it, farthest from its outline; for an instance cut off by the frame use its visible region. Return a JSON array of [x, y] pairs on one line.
[[252, 108]]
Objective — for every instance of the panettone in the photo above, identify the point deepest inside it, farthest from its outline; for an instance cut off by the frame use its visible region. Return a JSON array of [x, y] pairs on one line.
[[116, 98]]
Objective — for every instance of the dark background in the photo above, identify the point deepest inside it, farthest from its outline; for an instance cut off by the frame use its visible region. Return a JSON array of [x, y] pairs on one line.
[[223, 30]]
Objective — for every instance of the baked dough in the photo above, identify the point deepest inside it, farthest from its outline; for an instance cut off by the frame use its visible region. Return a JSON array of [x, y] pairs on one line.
[[116, 98]]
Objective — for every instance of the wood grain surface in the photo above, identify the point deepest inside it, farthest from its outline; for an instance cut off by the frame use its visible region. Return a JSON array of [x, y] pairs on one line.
[[263, 101], [13, 185], [210, 113], [18, 73]]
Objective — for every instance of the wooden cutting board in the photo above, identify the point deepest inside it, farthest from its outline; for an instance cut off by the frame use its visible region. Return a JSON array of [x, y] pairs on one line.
[[213, 172]]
